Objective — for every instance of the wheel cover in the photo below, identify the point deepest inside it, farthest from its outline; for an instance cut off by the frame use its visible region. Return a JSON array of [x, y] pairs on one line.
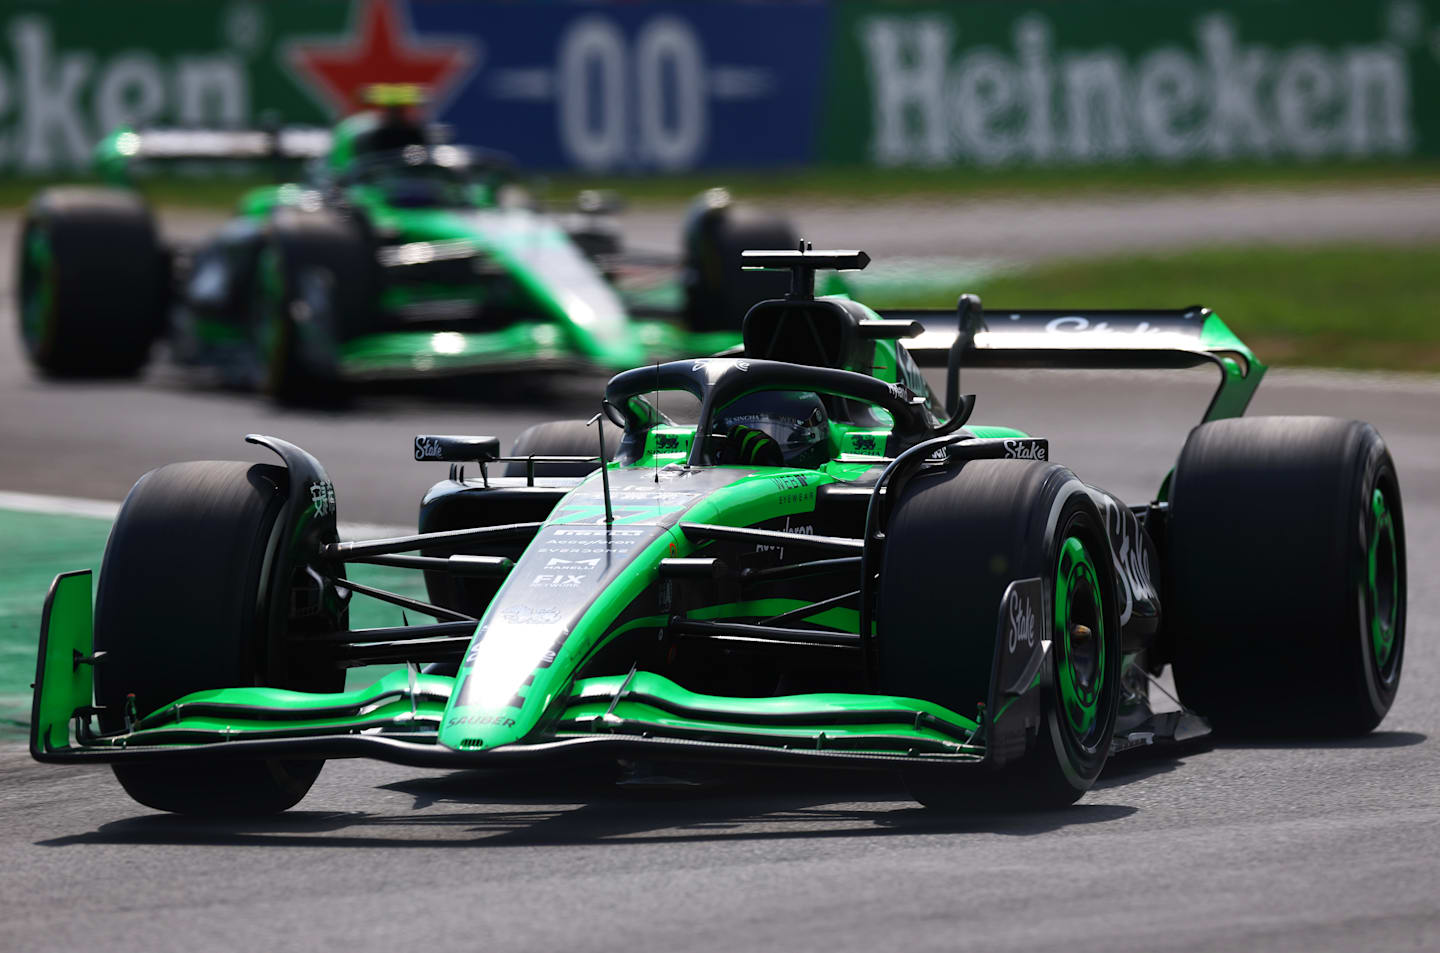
[[1382, 581], [1080, 631]]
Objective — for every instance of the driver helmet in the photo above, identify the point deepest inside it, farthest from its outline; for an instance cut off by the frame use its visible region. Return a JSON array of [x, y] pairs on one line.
[[795, 420]]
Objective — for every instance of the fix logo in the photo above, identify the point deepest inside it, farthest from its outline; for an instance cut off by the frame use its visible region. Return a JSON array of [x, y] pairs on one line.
[[558, 580], [322, 498], [427, 448], [1022, 621], [1026, 449]]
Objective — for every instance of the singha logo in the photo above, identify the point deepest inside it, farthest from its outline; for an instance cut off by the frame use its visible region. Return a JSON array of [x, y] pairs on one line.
[[1022, 621]]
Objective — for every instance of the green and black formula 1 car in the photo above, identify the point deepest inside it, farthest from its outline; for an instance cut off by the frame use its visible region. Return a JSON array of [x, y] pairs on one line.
[[400, 256], [827, 565]]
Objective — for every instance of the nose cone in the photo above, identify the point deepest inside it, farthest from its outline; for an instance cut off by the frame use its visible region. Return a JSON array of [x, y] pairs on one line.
[[560, 599]]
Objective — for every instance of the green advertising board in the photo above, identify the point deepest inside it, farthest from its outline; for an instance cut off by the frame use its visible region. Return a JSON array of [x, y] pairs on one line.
[[1103, 81], [70, 72]]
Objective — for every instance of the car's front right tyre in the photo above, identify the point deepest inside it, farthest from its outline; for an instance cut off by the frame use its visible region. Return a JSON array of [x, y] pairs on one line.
[[182, 606]]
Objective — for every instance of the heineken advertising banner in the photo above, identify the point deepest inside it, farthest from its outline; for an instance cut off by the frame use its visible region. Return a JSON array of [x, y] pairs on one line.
[[1091, 81], [670, 86]]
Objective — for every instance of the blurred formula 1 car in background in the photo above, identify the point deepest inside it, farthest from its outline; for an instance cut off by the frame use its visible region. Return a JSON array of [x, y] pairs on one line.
[[830, 565], [398, 256]]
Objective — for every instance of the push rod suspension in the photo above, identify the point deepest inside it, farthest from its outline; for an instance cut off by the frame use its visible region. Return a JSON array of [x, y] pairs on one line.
[[446, 539]]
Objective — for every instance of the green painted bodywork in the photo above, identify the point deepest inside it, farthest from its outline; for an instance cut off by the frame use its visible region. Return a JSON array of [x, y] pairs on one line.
[[63, 685], [644, 698], [1241, 371]]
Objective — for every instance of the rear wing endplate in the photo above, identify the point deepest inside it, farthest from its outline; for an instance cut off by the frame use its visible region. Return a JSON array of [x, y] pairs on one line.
[[1000, 338]]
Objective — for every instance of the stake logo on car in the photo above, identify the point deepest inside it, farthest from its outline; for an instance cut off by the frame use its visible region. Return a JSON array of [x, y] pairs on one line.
[[1022, 621]]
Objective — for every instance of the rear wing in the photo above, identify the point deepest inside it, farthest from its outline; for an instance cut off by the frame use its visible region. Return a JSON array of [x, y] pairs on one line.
[[1188, 337], [115, 153]]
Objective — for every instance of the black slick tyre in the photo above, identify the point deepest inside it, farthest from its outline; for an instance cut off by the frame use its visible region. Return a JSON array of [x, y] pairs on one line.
[[93, 282], [955, 541], [718, 292], [181, 607], [314, 288], [1286, 576], [560, 438]]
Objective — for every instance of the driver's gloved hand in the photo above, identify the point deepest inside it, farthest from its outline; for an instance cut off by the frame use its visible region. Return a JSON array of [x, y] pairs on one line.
[[746, 446]]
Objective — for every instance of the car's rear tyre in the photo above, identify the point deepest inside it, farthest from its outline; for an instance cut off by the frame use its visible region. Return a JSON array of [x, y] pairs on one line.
[[1286, 576], [956, 539], [314, 287], [93, 282], [181, 606], [560, 438], [717, 291]]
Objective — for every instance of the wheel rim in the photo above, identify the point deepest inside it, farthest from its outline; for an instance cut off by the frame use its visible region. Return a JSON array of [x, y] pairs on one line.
[[37, 289], [1382, 581], [1080, 632]]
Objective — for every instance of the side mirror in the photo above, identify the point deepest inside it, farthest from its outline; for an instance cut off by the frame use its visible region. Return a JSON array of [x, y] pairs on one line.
[[452, 449]]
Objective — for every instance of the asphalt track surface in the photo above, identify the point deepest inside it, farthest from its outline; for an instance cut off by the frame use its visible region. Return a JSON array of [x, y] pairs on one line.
[[1319, 846]]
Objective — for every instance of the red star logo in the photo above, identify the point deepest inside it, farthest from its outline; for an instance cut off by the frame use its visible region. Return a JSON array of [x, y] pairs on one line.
[[385, 50]]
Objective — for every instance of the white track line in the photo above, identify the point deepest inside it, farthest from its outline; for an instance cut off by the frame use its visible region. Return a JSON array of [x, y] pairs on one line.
[[58, 505], [105, 510]]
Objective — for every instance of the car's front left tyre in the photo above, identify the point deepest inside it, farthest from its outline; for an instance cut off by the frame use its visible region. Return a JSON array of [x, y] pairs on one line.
[[955, 541]]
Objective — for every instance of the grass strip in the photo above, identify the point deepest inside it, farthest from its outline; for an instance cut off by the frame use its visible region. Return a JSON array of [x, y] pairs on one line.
[[1344, 305], [220, 186], [40, 545]]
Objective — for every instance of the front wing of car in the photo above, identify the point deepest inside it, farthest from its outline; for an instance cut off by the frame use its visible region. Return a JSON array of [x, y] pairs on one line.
[[398, 717]]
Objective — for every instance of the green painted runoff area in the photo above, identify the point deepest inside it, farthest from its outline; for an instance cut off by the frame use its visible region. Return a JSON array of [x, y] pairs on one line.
[[39, 546]]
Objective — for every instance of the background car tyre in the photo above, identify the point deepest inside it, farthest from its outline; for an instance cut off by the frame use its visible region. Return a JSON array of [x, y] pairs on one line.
[[314, 288], [561, 438], [93, 282], [938, 619], [717, 292], [1286, 578], [174, 622]]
